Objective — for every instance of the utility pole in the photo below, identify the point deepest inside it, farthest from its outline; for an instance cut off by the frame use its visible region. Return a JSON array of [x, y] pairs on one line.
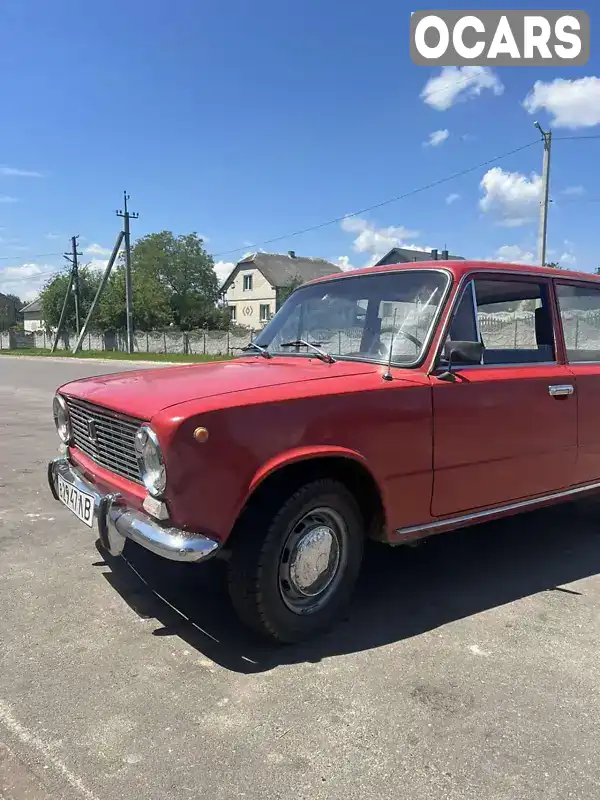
[[72, 259], [109, 266], [126, 215], [547, 139], [63, 312]]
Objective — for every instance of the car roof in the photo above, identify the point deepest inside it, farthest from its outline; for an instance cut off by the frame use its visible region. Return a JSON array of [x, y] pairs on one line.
[[459, 268]]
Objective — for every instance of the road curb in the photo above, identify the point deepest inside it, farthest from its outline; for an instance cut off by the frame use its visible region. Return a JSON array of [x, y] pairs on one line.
[[69, 359]]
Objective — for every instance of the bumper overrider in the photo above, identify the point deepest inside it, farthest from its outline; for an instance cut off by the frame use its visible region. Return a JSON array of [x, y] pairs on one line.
[[116, 522]]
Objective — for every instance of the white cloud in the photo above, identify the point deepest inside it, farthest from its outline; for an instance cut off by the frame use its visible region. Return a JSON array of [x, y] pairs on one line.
[[53, 236], [25, 280], [457, 84], [376, 241], [19, 173], [572, 104], [452, 198], [567, 260], [97, 264], [511, 197], [437, 138], [223, 270], [4, 198], [97, 250], [514, 254], [574, 191], [344, 263]]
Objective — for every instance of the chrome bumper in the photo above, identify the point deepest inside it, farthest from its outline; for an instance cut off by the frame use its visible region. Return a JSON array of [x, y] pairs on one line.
[[116, 522]]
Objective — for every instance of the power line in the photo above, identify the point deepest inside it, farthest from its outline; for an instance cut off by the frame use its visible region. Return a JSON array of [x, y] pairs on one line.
[[571, 138], [18, 278], [569, 200], [403, 196], [24, 258]]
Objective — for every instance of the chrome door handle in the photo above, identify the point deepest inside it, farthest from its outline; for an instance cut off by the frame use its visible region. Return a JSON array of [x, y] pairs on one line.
[[560, 390]]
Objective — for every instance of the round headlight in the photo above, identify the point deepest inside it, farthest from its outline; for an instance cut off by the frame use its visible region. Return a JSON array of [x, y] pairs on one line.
[[150, 460], [61, 418]]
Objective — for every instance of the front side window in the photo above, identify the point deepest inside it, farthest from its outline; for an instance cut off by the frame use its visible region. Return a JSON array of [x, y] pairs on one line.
[[264, 312], [580, 315], [510, 317], [362, 317], [247, 283]]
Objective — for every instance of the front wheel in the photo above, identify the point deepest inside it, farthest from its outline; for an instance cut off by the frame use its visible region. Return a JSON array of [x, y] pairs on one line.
[[293, 569]]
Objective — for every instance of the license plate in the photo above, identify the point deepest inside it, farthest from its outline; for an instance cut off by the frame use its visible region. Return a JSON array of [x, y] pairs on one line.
[[80, 503]]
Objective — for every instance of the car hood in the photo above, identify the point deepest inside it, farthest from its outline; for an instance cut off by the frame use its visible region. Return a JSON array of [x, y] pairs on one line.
[[143, 393]]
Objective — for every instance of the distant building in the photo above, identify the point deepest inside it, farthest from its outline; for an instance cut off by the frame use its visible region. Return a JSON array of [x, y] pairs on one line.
[[32, 316], [260, 282], [404, 255]]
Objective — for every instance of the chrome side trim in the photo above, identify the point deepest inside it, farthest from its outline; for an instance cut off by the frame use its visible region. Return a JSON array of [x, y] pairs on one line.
[[562, 390], [116, 522], [481, 516]]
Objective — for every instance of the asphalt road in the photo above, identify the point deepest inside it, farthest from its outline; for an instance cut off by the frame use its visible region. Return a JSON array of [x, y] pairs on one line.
[[468, 667]]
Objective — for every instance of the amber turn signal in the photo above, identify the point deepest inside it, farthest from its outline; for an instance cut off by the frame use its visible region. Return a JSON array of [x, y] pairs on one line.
[[200, 435]]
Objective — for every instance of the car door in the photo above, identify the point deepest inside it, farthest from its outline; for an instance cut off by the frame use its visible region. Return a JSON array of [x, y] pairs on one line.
[[505, 429], [579, 308]]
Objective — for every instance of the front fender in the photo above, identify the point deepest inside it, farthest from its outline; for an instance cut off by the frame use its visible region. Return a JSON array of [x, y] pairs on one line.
[[306, 453]]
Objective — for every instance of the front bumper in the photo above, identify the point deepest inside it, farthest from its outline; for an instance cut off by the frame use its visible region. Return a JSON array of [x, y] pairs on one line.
[[116, 522]]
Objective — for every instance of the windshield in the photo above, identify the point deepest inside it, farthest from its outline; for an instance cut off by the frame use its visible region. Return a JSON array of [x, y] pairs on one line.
[[360, 317]]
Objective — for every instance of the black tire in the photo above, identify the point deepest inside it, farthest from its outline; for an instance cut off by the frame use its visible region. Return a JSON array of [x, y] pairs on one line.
[[261, 561]]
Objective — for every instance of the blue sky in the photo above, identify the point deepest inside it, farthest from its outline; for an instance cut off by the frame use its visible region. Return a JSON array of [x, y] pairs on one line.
[[246, 120]]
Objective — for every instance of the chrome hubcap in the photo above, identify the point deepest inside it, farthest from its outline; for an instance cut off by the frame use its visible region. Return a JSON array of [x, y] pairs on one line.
[[311, 561]]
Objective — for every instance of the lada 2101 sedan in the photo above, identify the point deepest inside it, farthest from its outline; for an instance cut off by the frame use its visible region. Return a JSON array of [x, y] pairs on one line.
[[389, 403]]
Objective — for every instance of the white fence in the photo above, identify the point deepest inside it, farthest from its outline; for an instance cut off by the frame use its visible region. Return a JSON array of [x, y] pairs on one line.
[[216, 343], [501, 330]]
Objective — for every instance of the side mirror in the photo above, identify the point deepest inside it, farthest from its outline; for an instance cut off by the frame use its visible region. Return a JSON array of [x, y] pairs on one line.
[[461, 353]]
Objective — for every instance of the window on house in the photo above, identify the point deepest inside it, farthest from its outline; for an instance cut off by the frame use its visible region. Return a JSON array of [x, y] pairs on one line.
[[232, 313], [247, 283], [580, 315], [265, 312], [510, 317]]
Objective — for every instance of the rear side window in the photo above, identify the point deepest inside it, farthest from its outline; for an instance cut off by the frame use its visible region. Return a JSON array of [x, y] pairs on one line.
[[580, 315]]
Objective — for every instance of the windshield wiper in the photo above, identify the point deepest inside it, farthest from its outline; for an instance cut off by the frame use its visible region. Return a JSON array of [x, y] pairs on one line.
[[324, 356], [262, 350]]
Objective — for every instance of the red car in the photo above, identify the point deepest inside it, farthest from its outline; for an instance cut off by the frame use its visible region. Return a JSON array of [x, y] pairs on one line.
[[389, 403]]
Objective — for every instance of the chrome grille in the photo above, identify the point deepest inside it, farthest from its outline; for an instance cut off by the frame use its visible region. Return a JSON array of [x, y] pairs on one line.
[[110, 443]]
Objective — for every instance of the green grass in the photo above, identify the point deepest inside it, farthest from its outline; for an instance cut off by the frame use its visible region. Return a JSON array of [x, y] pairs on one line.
[[114, 355]]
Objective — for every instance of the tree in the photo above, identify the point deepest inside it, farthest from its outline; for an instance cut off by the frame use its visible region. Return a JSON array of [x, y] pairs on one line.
[[181, 266], [10, 307], [283, 292], [553, 264], [53, 294], [150, 302], [16, 301]]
